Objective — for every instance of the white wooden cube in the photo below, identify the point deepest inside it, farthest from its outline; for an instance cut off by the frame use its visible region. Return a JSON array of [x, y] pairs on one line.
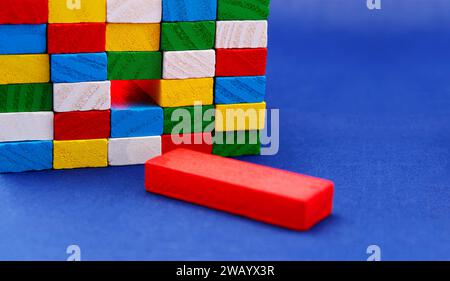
[[133, 151], [26, 126], [134, 11], [189, 64], [82, 96], [241, 34]]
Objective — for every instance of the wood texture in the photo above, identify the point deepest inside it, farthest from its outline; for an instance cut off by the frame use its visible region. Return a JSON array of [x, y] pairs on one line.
[[243, 9], [64, 11], [76, 38], [133, 151], [134, 65], [23, 39], [200, 119], [26, 156], [24, 69], [26, 126], [132, 37], [84, 96], [73, 68], [245, 89], [80, 154], [241, 34], [82, 125], [240, 117], [26, 97], [183, 36], [189, 10], [134, 11], [241, 62], [240, 143], [189, 64], [24, 11], [136, 121], [187, 92]]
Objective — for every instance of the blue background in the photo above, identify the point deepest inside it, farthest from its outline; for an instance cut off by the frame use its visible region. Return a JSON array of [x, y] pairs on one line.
[[365, 101]]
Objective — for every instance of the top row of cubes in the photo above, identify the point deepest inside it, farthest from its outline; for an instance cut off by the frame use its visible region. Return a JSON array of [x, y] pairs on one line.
[[129, 11]]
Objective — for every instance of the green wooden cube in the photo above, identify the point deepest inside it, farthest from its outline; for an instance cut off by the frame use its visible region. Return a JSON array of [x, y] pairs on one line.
[[243, 9], [26, 97], [184, 36], [134, 65], [197, 123], [232, 144]]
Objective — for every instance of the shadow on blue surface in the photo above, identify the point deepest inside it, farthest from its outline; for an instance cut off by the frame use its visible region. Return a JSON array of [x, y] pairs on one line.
[[365, 101]]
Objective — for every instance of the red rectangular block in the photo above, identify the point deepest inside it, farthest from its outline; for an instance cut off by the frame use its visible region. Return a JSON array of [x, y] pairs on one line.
[[130, 92], [262, 193], [241, 62], [23, 11], [76, 38], [82, 125], [200, 142]]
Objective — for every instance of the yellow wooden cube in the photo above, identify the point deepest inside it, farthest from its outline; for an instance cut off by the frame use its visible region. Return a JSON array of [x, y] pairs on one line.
[[186, 92], [76, 11], [240, 117], [20, 69], [132, 37], [80, 154]]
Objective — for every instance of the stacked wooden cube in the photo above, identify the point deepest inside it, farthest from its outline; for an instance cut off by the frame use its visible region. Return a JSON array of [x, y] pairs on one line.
[[240, 83], [92, 83]]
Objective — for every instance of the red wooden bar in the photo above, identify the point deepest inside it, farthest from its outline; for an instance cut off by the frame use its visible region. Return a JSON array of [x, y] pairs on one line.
[[76, 38], [241, 62], [205, 146], [262, 193], [23, 11], [82, 125]]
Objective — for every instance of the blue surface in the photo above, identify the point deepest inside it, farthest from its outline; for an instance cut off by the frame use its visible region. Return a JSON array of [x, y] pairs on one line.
[[137, 121], [189, 10], [248, 89], [365, 101], [26, 156], [23, 39], [72, 68]]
